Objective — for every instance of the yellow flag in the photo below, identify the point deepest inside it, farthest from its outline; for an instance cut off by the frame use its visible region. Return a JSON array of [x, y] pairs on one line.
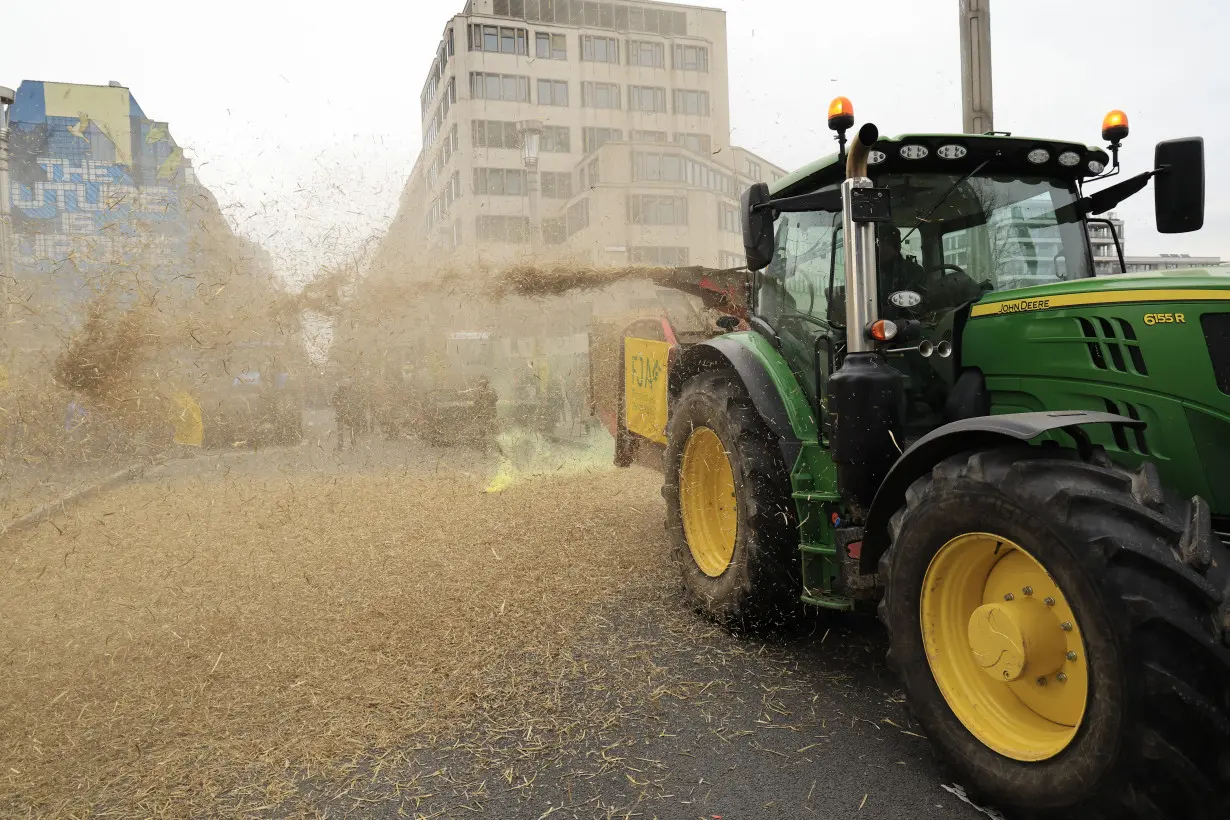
[[186, 416]]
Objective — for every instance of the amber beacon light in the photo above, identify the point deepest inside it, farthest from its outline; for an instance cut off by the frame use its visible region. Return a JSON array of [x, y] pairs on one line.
[[841, 114], [1114, 126]]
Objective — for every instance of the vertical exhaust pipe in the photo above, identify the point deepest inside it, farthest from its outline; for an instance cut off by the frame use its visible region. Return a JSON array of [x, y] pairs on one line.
[[866, 393], [861, 290]]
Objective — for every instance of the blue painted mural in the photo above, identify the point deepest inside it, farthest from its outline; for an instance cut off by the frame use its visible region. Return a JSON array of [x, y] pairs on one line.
[[95, 185]]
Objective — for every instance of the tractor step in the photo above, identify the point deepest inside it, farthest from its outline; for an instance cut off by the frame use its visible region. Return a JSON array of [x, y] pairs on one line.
[[805, 496], [818, 598]]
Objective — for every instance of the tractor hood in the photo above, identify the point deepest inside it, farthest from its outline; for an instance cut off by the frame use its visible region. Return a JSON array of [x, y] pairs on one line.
[[1149, 346], [1200, 285]]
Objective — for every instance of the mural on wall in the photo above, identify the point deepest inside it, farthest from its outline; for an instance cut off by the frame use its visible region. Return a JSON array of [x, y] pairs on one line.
[[95, 184]]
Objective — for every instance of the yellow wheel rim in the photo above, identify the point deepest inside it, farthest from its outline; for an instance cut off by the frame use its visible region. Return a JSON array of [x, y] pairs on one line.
[[707, 502], [1004, 647]]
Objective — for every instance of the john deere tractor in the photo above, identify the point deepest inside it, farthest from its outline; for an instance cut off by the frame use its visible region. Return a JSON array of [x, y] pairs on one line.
[[935, 408]]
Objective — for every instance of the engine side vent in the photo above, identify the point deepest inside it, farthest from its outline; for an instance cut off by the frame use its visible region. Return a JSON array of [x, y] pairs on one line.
[[1113, 345], [1095, 349], [1127, 439]]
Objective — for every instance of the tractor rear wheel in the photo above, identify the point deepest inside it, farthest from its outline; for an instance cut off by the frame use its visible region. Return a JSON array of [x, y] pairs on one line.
[[1055, 624], [729, 513]]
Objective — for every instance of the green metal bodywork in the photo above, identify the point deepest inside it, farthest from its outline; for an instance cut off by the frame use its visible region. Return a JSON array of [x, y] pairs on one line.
[[1129, 344], [1043, 357], [813, 478]]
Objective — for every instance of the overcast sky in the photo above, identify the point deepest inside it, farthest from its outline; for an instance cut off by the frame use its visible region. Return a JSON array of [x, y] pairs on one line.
[[304, 120]]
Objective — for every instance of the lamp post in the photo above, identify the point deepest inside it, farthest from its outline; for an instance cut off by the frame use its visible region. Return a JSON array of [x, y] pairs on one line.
[[530, 132], [6, 234], [976, 98]]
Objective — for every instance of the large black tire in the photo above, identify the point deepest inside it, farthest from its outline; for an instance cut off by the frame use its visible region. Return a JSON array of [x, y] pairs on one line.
[[760, 588], [1146, 578]]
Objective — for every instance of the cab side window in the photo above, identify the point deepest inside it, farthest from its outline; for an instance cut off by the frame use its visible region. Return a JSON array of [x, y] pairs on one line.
[[797, 282]]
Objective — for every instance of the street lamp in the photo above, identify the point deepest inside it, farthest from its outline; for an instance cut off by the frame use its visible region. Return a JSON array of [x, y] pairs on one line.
[[6, 235], [530, 132]]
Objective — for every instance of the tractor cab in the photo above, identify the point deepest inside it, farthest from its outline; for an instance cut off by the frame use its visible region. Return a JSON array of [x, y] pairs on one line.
[[961, 217]]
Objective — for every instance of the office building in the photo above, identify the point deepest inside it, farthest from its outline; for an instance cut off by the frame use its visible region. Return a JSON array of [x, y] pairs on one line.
[[626, 104]]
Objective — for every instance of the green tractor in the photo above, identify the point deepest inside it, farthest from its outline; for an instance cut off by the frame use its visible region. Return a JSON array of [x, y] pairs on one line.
[[934, 408]]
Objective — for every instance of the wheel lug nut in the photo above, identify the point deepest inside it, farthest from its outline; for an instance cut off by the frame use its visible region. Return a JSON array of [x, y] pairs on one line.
[[1061, 677], [1066, 626], [1028, 590], [1049, 601], [1071, 656], [1009, 597], [1042, 681]]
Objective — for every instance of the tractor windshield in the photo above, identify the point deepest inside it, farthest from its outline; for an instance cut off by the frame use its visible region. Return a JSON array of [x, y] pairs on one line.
[[953, 239]]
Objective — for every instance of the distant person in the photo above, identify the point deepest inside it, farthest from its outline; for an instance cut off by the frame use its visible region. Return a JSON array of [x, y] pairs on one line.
[[486, 414], [347, 412]]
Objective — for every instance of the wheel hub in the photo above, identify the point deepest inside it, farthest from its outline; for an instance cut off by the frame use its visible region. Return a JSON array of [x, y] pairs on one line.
[[1016, 639], [1003, 646]]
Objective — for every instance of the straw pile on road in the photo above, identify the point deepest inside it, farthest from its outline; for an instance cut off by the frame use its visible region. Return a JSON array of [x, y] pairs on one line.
[[208, 644]]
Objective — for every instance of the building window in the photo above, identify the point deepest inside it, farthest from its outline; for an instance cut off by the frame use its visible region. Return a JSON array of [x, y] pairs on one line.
[[599, 49], [556, 139], [656, 255], [554, 230], [751, 169], [697, 143], [600, 95], [449, 97], [552, 92], [556, 185], [452, 190], [577, 216], [548, 46], [728, 218], [649, 209], [500, 39], [594, 138], [618, 16], [499, 181], [494, 134], [727, 260], [688, 101], [655, 167], [509, 87], [432, 131], [430, 88], [649, 136], [647, 98], [691, 58], [501, 228], [646, 53]]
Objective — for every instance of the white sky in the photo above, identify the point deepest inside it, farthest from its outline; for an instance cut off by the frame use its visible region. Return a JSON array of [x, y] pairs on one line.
[[304, 120]]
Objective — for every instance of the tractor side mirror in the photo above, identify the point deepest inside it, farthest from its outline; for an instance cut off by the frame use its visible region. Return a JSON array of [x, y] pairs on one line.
[[757, 227], [1178, 188]]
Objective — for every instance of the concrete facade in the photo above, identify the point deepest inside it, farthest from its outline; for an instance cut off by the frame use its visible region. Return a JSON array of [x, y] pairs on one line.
[[635, 162]]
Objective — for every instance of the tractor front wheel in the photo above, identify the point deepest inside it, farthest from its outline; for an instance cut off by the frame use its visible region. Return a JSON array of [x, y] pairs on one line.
[[1054, 622], [729, 513]]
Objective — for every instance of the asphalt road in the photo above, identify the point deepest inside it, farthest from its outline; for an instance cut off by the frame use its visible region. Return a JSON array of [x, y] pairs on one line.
[[644, 710], [710, 724]]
